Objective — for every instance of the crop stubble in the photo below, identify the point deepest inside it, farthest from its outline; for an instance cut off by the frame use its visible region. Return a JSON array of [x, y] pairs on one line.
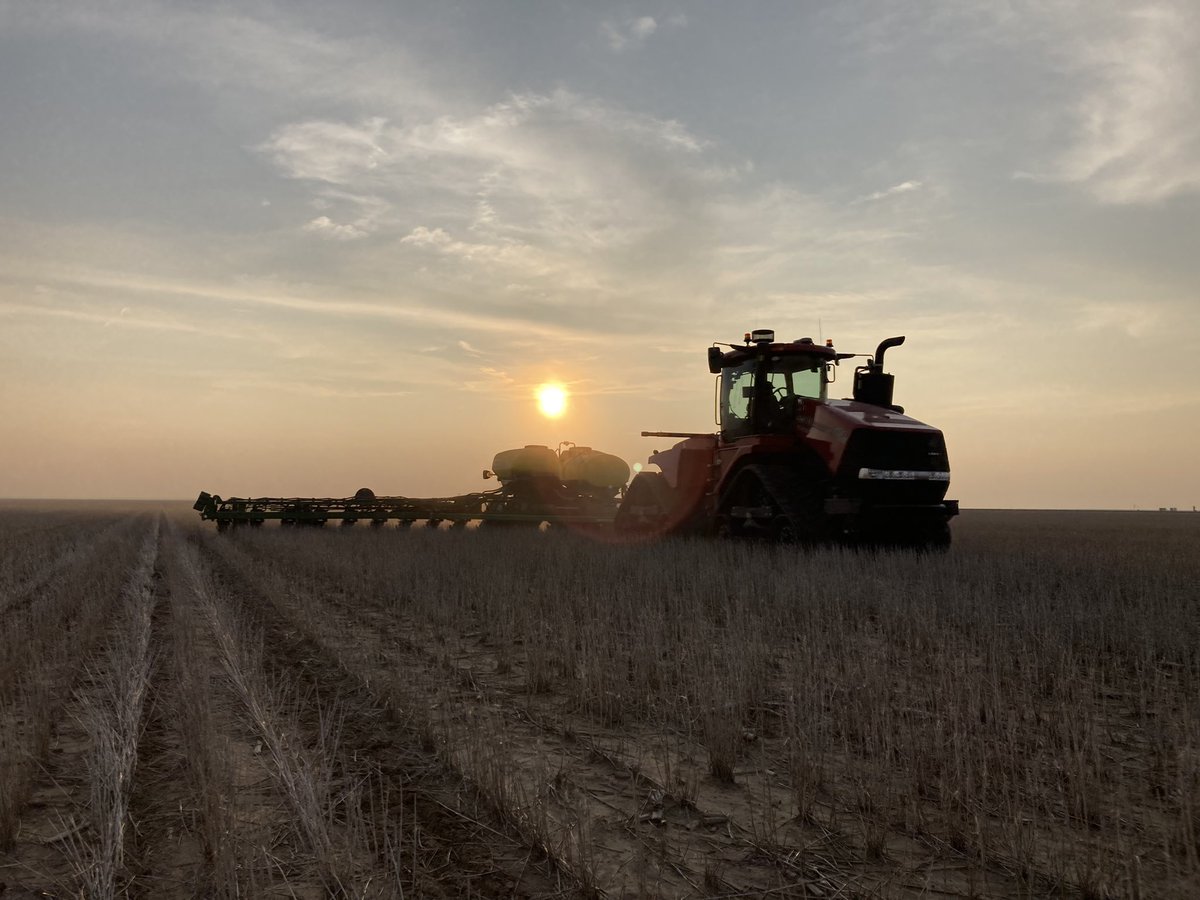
[[429, 714]]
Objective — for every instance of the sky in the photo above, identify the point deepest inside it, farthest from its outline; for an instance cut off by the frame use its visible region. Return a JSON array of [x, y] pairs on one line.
[[300, 248]]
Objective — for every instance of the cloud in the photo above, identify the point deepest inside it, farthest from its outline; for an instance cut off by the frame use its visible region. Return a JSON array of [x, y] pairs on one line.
[[629, 33], [328, 151], [333, 386], [550, 191], [1102, 95], [325, 227], [1134, 321], [124, 319], [1137, 123], [268, 294], [492, 378], [903, 187], [226, 48], [426, 237]]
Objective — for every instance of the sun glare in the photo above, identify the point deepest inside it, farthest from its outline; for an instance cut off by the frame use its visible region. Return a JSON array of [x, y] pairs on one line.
[[552, 400]]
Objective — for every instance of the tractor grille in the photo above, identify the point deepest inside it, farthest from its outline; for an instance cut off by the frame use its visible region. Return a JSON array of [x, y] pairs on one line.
[[899, 451], [917, 450]]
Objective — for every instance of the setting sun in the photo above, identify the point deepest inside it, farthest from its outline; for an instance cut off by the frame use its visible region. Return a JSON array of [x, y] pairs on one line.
[[552, 400]]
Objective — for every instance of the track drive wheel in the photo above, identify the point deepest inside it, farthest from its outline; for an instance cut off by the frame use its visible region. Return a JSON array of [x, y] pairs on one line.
[[799, 495], [788, 501]]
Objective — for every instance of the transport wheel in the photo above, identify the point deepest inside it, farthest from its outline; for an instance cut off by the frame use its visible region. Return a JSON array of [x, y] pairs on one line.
[[783, 531], [723, 528], [646, 506]]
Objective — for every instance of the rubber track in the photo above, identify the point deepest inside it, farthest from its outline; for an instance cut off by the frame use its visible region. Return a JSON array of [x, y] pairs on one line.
[[790, 493]]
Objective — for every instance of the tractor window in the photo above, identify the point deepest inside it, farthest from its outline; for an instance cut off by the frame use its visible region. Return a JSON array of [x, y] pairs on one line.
[[737, 392], [795, 376]]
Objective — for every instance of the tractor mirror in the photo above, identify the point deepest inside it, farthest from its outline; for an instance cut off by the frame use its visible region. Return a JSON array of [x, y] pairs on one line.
[[714, 360]]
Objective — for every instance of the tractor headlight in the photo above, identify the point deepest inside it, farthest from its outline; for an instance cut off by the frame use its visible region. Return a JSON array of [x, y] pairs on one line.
[[866, 474]]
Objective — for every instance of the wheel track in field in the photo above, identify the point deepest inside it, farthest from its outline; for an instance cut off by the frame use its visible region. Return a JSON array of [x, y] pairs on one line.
[[55, 833], [242, 794], [459, 848], [38, 675], [169, 856]]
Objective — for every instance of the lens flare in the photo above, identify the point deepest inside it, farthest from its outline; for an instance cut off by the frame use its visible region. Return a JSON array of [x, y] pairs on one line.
[[552, 400]]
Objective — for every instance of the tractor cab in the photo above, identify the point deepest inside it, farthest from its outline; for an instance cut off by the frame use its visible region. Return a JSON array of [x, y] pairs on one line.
[[763, 383]]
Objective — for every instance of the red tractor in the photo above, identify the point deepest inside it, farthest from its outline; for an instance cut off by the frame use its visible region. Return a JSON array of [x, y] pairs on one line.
[[791, 464]]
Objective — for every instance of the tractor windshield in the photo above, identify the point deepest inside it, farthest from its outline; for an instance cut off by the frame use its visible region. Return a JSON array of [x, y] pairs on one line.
[[761, 395], [795, 375]]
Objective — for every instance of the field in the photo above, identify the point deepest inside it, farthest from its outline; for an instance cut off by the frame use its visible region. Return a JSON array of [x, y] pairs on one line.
[[380, 713]]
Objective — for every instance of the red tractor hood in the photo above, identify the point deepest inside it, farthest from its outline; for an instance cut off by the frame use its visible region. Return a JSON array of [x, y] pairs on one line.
[[828, 424], [852, 414]]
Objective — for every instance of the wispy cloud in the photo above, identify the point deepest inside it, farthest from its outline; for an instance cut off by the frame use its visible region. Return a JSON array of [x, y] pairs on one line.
[[325, 227], [492, 380], [335, 152], [225, 48], [332, 387], [1104, 97], [1137, 122], [268, 296], [632, 32], [628, 33], [551, 192], [903, 187], [125, 318]]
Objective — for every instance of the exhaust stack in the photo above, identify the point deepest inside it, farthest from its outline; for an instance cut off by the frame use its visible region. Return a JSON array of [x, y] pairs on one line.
[[873, 385]]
